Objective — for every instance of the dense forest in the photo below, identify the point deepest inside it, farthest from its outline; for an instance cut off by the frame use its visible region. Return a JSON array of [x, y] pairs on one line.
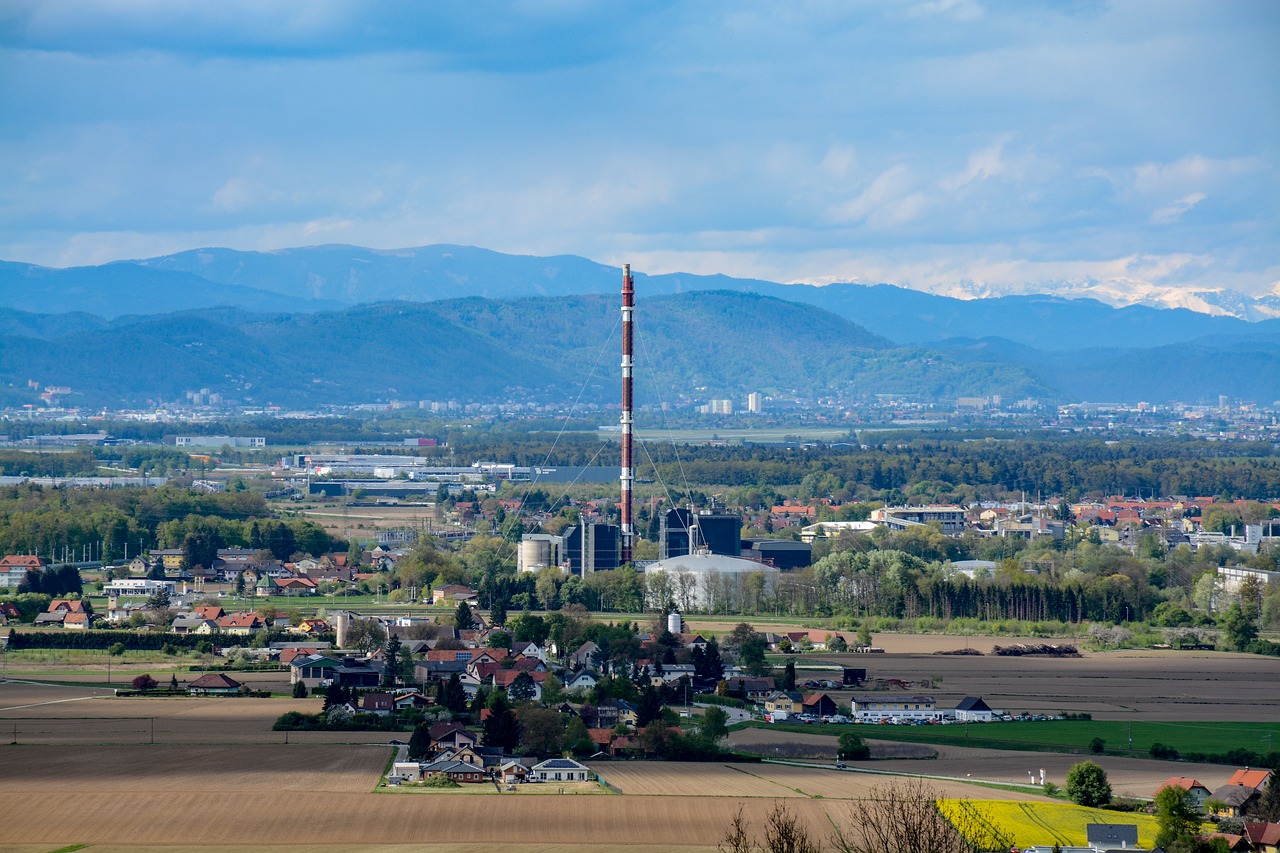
[[107, 524]]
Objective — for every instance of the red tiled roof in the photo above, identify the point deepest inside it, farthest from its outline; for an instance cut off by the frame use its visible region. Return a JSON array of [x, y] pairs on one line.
[[1250, 778], [1184, 782], [20, 560], [1262, 833]]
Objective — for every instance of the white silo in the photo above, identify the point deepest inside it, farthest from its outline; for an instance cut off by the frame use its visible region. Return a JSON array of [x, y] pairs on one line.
[[674, 622]]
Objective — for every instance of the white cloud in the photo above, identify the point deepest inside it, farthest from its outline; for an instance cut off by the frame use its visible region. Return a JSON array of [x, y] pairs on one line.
[[983, 164], [889, 200], [233, 196], [1171, 213]]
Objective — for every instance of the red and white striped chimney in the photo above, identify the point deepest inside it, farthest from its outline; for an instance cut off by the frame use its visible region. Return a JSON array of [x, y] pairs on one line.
[[628, 468]]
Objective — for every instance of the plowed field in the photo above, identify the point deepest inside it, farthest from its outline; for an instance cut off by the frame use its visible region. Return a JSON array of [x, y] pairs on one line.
[[764, 780]]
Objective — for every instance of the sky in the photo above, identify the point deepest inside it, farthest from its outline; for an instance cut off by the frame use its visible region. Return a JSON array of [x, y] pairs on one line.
[[948, 145]]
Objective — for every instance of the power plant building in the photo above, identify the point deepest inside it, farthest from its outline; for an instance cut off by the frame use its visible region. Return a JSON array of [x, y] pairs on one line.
[[580, 550], [685, 532]]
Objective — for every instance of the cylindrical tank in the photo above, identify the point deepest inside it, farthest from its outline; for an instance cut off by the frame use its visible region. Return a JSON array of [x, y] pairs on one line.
[[535, 553], [342, 623], [674, 622]]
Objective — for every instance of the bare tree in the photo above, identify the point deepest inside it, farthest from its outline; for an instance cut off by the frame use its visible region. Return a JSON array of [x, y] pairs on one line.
[[903, 817], [782, 834]]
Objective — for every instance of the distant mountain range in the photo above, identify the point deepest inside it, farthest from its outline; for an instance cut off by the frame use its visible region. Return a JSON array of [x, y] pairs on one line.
[[345, 324], [326, 277]]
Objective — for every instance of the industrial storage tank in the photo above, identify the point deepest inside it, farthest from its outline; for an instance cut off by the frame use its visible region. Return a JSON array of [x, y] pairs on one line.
[[535, 552]]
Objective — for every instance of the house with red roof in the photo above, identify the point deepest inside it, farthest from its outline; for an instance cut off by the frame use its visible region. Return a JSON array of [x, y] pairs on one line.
[[240, 624], [1250, 777], [1199, 793], [14, 568], [1264, 836]]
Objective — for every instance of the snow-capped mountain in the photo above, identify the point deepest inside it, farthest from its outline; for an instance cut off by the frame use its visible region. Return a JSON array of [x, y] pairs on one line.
[[1119, 293]]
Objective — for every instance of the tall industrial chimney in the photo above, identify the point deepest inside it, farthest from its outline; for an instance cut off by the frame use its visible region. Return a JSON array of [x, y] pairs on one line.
[[628, 467]]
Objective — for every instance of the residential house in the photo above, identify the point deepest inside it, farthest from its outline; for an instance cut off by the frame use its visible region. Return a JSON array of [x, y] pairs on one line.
[[170, 558], [973, 710], [67, 605], [1234, 800], [529, 650], [692, 641], [453, 593], [513, 772], [76, 622], [313, 626], [451, 736], [458, 771], [289, 654], [1198, 792], [430, 671], [1235, 843], [1265, 837], [1244, 776], [811, 639], [790, 701], [585, 656], [381, 704], [241, 624], [1111, 836], [504, 678], [583, 679], [214, 684], [287, 586], [670, 673], [404, 701], [466, 755], [559, 770], [14, 568], [191, 624], [751, 689]]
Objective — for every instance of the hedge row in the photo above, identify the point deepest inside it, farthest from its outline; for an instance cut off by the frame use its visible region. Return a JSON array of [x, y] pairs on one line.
[[295, 721], [136, 640]]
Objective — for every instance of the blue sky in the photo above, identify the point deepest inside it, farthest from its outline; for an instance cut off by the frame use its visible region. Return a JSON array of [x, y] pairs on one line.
[[935, 144]]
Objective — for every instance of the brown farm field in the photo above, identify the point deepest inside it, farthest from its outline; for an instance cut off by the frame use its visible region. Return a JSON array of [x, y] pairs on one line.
[[738, 781], [85, 769], [1130, 777], [1115, 685]]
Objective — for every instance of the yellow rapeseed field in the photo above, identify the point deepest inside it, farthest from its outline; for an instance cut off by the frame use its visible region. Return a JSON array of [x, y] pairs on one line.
[[1028, 824]]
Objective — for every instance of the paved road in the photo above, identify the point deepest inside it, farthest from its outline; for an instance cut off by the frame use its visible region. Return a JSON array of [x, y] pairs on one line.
[[736, 715]]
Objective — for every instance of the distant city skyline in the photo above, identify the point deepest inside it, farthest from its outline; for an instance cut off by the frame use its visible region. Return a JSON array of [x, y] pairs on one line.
[[948, 145]]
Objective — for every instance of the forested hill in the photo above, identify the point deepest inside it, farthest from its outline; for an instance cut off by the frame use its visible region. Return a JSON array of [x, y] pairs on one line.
[[699, 346]]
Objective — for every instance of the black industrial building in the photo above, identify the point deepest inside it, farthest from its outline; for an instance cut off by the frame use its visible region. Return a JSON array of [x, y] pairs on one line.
[[720, 534], [780, 553], [601, 541]]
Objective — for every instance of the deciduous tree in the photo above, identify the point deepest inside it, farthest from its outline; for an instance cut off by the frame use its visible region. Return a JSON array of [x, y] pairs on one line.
[[1087, 785]]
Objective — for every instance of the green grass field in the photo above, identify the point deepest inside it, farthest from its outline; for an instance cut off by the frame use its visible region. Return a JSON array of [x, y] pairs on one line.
[[1070, 735]]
